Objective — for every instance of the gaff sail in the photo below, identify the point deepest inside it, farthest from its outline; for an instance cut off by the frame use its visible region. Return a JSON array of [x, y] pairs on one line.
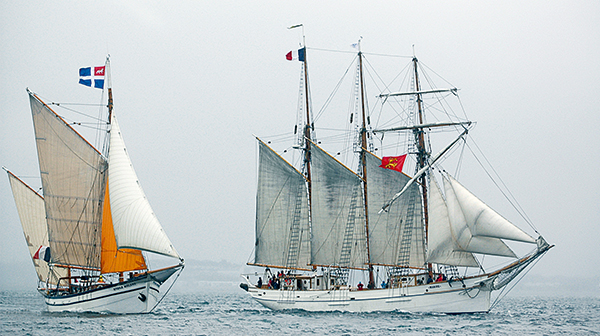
[[72, 172], [282, 230], [338, 216], [402, 221]]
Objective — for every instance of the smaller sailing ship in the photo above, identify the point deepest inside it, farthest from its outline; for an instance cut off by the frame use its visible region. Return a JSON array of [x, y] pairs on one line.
[[321, 223], [87, 231]]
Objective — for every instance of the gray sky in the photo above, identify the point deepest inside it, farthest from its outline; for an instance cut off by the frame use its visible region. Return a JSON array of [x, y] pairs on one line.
[[193, 80]]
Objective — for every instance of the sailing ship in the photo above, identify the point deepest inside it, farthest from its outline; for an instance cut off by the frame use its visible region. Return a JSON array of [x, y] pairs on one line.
[[321, 224], [87, 230]]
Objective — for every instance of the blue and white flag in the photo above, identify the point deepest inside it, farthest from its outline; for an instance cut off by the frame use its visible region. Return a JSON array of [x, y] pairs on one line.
[[87, 78]]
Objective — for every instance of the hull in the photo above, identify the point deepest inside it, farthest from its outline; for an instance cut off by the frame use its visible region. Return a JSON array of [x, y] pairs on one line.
[[442, 297], [135, 296], [124, 298]]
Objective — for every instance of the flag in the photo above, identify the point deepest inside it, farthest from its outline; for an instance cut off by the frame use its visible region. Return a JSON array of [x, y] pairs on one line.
[[292, 55], [86, 78], [393, 162], [42, 253]]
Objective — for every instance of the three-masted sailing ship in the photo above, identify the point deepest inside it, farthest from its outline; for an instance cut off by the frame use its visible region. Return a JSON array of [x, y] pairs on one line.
[[87, 231], [417, 243]]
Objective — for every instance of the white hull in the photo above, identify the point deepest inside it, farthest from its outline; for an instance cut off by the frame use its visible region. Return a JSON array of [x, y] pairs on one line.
[[135, 296], [131, 297], [439, 297]]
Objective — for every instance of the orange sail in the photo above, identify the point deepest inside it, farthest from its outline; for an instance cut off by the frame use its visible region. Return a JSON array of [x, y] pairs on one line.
[[111, 259]]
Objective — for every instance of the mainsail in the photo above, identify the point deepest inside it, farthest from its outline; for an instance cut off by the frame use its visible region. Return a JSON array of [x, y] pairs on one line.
[[338, 216], [282, 231], [30, 206], [135, 224], [400, 223], [73, 178]]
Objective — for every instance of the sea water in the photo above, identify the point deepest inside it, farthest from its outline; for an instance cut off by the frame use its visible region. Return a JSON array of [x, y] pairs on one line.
[[232, 312]]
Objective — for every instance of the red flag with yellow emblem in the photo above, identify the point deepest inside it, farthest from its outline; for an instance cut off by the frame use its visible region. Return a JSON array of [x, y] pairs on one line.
[[393, 162]]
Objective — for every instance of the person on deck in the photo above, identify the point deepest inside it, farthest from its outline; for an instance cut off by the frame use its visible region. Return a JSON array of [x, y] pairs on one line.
[[259, 284], [360, 285]]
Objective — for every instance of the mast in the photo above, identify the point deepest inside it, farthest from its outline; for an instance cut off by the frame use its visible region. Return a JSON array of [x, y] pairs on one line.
[[307, 138], [422, 154], [109, 85], [307, 127], [363, 162]]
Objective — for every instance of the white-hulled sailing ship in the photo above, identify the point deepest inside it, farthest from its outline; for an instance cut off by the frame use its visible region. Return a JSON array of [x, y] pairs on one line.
[[418, 243], [86, 233]]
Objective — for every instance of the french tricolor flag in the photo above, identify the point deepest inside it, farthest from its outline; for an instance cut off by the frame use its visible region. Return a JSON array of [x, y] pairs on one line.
[[293, 55], [42, 253], [87, 77]]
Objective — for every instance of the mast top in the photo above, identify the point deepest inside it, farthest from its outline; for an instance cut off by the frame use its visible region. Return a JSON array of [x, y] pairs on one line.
[[303, 36], [109, 86]]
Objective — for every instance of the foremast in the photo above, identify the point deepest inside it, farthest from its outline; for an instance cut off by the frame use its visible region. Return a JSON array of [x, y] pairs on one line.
[[307, 138], [308, 124]]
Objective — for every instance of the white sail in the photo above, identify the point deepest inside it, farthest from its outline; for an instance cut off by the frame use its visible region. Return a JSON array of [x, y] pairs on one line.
[[282, 231], [388, 229], [32, 212], [135, 224], [72, 174], [337, 208], [442, 247], [462, 231], [482, 220]]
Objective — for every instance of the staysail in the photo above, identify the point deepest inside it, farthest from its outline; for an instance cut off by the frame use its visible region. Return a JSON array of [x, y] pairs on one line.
[[282, 230], [30, 206], [442, 245], [134, 222], [112, 259], [401, 221], [462, 224], [73, 178], [338, 216], [482, 220]]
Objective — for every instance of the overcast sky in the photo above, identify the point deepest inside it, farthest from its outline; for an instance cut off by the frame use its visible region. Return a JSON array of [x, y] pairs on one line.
[[194, 80]]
